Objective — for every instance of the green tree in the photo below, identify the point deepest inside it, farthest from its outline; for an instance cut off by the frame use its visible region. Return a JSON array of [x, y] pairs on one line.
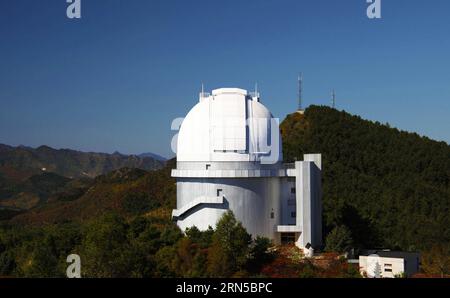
[[7, 263], [202, 238], [436, 261], [184, 259], [105, 250], [230, 247], [308, 270], [260, 254], [41, 263], [166, 262], [138, 203], [339, 240], [170, 234]]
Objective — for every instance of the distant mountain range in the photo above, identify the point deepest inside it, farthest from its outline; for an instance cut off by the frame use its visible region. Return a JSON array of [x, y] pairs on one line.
[[33, 177], [19, 163], [153, 155]]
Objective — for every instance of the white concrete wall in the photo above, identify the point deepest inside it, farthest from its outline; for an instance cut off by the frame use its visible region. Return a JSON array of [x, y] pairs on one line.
[[252, 201], [288, 201], [389, 267]]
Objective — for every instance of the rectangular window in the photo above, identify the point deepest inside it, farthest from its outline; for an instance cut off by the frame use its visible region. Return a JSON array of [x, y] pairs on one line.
[[208, 166], [293, 190], [293, 214], [387, 269], [387, 265], [272, 215]]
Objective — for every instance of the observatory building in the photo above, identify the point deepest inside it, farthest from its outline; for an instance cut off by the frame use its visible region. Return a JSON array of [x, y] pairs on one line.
[[229, 157]]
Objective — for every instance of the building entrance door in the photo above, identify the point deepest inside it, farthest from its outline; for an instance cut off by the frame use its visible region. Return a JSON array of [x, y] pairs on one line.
[[288, 238]]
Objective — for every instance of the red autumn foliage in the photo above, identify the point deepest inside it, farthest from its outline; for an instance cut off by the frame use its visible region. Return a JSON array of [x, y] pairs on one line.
[[288, 264]]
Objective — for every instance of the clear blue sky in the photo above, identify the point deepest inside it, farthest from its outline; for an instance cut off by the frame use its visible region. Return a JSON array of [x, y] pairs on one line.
[[115, 79]]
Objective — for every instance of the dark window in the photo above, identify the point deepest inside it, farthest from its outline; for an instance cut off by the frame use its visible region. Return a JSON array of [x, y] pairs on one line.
[[272, 215], [293, 214], [219, 192], [387, 269], [293, 190], [208, 166], [287, 238]]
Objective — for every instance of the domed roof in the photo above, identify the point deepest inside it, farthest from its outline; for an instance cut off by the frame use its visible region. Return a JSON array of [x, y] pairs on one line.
[[229, 125]]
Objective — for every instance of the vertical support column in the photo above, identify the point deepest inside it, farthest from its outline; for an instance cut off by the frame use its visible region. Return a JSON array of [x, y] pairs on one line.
[[316, 197], [299, 198], [308, 200]]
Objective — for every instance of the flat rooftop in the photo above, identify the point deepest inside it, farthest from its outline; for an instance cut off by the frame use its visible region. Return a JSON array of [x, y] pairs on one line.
[[391, 254]]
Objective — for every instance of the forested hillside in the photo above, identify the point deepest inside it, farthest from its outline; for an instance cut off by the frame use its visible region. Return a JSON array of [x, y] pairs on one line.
[[31, 178], [126, 191], [390, 188]]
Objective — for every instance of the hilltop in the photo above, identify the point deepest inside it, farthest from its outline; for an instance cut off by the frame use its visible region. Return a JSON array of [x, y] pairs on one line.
[[390, 188]]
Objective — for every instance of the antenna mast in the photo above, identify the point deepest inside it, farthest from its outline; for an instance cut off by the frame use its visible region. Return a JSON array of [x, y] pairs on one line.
[[300, 91], [202, 93], [333, 99]]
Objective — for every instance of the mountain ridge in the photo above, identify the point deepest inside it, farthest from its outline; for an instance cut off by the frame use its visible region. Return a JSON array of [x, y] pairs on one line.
[[21, 162]]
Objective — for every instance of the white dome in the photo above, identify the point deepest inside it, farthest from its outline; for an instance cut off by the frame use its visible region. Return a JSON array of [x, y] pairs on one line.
[[215, 129]]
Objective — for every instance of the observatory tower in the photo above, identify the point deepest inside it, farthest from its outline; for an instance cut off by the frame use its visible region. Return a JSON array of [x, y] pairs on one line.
[[229, 157]]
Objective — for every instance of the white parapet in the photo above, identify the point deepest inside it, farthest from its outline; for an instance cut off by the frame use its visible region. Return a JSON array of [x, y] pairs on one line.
[[316, 158]]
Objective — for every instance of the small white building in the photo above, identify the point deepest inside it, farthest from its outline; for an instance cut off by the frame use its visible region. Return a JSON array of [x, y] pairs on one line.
[[229, 157], [389, 264]]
